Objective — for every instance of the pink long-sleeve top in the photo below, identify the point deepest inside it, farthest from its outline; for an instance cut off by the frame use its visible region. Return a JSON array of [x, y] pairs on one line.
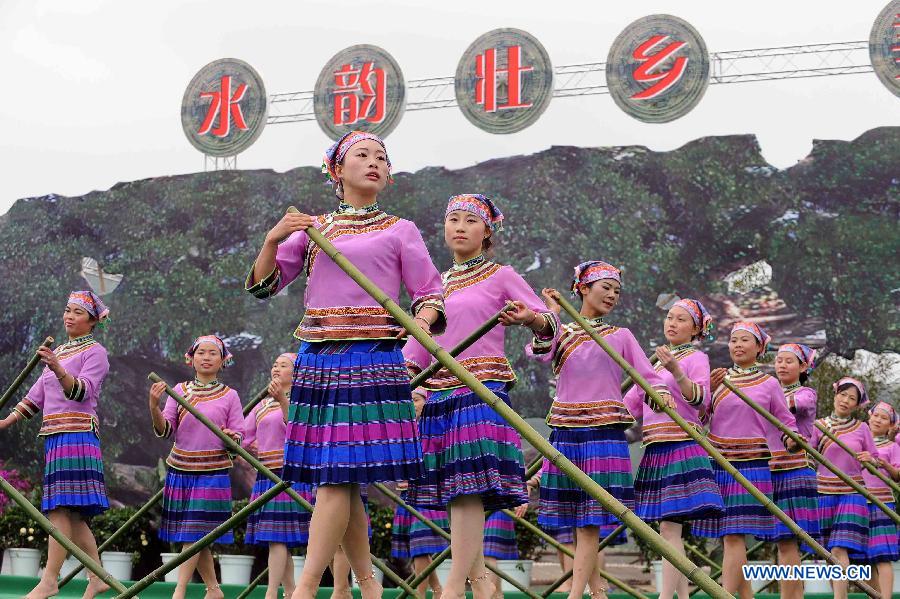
[[471, 296], [197, 447], [657, 427], [76, 411], [589, 392], [735, 429], [387, 249], [858, 437], [266, 426], [889, 452], [801, 401]]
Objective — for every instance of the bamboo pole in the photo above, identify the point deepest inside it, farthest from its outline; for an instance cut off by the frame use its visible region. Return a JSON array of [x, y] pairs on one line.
[[255, 583], [112, 539], [204, 542], [236, 448], [610, 503], [261, 395], [460, 347], [696, 436], [716, 572], [813, 452], [604, 542], [628, 383], [17, 382], [866, 465], [73, 549], [444, 535]]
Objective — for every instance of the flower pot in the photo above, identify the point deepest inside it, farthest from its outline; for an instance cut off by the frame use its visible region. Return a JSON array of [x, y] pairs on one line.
[[443, 571], [517, 569], [70, 564], [117, 563], [299, 562], [379, 576], [24, 562], [236, 569], [166, 558], [656, 570]]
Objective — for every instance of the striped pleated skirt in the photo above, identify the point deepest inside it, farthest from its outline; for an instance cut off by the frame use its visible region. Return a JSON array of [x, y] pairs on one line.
[[883, 537], [795, 492], [410, 537], [675, 482], [281, 520], [468, 450], [500, 537], [601, 453], [73, 474], [194, 504], [844, 522], [351, 416], [744, 515]]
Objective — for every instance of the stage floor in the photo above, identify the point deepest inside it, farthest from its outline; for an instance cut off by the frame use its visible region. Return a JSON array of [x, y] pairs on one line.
[[15, 587]]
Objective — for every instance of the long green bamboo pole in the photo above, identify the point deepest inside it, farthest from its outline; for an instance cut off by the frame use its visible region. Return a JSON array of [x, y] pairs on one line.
[[866, 465], [696, 436], [255, 583], [628, 383], [560, 547], [261, 395], [813, 452], [204, 542], [73, 549], [444, 535], [604, 542], [416, 579], [17, 382], [460, 347], [610, 503], [716, 572], [703, 557], [236, 449], [116, 535]]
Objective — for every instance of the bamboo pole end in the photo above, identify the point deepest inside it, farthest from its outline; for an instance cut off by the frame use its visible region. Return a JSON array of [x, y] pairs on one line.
[[154, 377], [48, 341]]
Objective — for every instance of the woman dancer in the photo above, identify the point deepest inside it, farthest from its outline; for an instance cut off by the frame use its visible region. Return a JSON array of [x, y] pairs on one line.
[[351, 419], [67, 392]]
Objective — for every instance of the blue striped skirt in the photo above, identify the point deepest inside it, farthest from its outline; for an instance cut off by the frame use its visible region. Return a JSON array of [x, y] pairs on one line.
[[194, 504], [844, 522], [796, 493], [351, 417], [500, 537], [468, 450], [73, 474], [281, 520], [410, 537], [743, 513], [883, 537], [601, 453], [675, 482]]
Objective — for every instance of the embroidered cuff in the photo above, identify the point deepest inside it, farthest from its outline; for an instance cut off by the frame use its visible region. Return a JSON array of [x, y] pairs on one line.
[[784, 441], [167, 431], [696, 395], [553, 323], [26, 409], [664, 395], [77, 392], [436, 302], [540, 346], [265, 288], [413, 368]]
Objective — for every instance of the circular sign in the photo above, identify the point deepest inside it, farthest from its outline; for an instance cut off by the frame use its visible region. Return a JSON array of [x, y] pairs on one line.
[[362, 88], [657, 69], [884, 46], [504, 81], [224, 108]]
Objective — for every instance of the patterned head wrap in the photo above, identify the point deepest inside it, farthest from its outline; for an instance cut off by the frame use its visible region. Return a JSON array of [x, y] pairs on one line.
[[757, 331], [479, 205], [594, 270], [227, 358], [863, 396], [888, 409], [290, 356], [91, 302], [804, 353], [335, 154], [701, 317]]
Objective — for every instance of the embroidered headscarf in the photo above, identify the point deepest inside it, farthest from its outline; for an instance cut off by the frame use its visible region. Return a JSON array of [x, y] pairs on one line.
[[479, 205], [757, 331], [594, 270], [804, 353], [335, 154], [863, 396], [700, 316], [91, 303], [888, 409], [227, 358]]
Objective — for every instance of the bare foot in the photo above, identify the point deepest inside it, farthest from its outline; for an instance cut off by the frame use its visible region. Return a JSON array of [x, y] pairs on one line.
[[436, 592], [179, 592], [482, 587], [44, 589], [288, 591], [95, 586], [370, 588], [342, 593], [214, 592]]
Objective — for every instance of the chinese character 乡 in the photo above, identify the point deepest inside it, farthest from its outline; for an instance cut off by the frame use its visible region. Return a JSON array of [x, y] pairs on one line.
[[651, 68], [360, 94]]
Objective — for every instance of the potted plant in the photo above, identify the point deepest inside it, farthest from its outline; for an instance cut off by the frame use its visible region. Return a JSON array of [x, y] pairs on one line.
[[25, 542], [236, 559], [11, 536], [121, 555]]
